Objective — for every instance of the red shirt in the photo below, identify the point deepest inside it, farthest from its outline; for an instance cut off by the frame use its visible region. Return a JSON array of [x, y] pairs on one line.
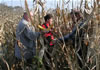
[[47, 25]]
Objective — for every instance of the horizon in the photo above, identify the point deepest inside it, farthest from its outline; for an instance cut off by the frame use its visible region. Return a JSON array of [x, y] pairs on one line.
[[49, 3]]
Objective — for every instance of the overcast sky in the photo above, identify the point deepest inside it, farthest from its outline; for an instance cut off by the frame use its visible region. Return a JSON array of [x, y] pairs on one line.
[[49, 3]]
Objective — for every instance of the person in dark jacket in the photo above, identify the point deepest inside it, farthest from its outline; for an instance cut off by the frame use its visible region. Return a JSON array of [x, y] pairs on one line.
[[25, 47], [76, 16], [78, 37]]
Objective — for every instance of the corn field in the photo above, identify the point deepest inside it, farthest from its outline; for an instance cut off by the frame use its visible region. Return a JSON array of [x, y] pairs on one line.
[[66, 55]]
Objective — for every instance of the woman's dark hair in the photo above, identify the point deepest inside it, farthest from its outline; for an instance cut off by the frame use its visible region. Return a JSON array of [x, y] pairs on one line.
[[47, 17], [77, 14]]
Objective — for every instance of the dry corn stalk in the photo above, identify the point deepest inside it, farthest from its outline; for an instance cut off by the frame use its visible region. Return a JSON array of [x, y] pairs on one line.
[[64, 16], [58, 10]]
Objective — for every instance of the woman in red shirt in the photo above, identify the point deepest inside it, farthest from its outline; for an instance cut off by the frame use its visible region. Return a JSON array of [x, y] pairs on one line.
[[48, 34]]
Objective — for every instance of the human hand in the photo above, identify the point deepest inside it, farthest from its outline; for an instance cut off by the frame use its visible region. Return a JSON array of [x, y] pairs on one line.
[[54, 41]]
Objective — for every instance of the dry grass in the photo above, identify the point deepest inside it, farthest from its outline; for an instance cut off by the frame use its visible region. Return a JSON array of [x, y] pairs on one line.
[[65, 55]]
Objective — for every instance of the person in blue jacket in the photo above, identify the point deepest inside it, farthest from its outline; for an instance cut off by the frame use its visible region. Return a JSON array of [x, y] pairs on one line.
[[25, 47], [77, 38]]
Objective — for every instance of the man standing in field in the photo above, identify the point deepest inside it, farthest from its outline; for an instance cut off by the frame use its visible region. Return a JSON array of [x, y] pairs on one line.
[[25, 47]]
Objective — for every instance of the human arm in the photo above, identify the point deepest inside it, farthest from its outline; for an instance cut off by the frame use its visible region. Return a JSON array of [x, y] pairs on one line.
[[30, 33]]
